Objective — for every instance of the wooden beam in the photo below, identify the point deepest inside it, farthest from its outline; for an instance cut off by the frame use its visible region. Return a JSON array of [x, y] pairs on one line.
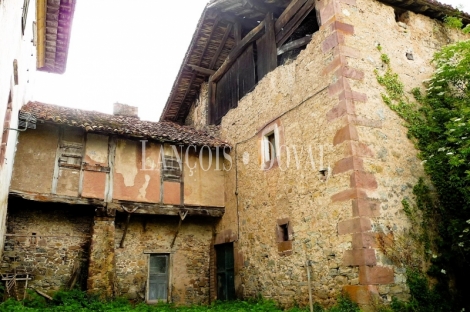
[[58, 198], [294, 23], [237, 33], [221, 47], [128, 219], [193, 76], [169, 210], [259, 6], [254, 34], [294, 44], [41, 11], [202, 70], [288, 13], [214, 27]]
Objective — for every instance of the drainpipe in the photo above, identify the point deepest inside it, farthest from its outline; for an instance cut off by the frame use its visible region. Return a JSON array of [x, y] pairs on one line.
[[307, 266]]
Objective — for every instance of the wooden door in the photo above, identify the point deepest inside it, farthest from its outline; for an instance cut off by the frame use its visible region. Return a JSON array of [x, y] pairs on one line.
[[158, 277], [225, 272]]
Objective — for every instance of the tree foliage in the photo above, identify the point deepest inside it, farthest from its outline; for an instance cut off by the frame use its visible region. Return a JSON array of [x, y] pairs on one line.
[[439, 124]]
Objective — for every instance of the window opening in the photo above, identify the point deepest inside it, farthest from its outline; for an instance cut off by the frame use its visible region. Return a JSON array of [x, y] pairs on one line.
[[272, 146], [284, 228], [171, 169], [24, 15], [307, 28]]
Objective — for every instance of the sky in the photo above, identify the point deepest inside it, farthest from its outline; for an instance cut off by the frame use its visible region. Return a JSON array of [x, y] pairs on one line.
[[127, 52]]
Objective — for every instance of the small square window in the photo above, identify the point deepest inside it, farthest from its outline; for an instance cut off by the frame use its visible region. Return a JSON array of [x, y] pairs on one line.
[[284, 232], [270, 147]]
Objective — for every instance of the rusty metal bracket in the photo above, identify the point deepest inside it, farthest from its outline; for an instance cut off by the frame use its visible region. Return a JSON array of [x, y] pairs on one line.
[[182, 214]]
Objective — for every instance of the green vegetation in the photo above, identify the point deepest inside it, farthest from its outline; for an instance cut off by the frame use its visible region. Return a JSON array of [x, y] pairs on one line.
[[456, 22], [439, 125], [79, 301]]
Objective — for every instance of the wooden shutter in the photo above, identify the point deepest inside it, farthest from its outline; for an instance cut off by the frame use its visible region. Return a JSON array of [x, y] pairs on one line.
[[246, 73], [267, 51]]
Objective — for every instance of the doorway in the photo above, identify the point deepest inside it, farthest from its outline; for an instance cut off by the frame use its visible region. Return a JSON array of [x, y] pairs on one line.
[[225, 272]]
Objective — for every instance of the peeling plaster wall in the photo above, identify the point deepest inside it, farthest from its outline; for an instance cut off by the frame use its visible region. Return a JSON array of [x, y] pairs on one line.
[[135, 173], [203, 179]]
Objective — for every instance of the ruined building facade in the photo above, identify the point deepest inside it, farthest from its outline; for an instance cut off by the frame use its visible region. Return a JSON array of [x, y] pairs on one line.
[[321, 163], [292, 165]]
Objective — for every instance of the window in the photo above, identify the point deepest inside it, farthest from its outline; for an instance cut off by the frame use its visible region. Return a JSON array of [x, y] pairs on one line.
[[171, 169], [284, 232], [24, 15], [270, 146], [284, 236], [158, 276], [271, 140]]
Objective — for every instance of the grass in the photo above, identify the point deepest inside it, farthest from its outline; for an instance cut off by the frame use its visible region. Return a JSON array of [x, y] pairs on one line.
[[78, 301]]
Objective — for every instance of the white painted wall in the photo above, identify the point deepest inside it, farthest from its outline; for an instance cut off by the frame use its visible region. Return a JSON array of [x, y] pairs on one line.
[[14, 45]]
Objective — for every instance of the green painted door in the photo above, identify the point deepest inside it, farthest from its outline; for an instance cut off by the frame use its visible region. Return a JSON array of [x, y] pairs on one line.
[[225, 272]]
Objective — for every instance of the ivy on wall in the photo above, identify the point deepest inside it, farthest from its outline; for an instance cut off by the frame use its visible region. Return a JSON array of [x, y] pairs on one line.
[[439, 124]]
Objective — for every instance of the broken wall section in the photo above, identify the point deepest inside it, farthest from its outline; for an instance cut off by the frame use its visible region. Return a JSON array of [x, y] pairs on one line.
[[49, 241]]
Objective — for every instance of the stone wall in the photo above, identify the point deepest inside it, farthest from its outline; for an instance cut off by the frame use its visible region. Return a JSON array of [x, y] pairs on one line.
[[189, 257], [330, 115], [101, 276], [47, 240]]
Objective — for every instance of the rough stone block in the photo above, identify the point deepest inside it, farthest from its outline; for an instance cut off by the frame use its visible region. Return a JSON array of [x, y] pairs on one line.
[[338, 86], [327, 12], [358, 149], [347, 133], [347, 29], [362, 179], [357, 225], [358, 257], [351, 73], [353, 95], [366, 208], [348, 194], [362, 294], [344, 107], [332, 41], [374, 275], [349, 163]]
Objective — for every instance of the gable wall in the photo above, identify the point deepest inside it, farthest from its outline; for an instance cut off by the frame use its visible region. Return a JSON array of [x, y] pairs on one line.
[[327, 98]]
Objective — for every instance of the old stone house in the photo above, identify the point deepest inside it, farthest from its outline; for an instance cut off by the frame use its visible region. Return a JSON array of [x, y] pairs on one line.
[[34, 35], [292, 166], [320, 162], [125, 206]]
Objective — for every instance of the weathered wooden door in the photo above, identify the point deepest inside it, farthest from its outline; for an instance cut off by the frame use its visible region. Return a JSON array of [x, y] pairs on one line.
[[225, 272], [158, 277]]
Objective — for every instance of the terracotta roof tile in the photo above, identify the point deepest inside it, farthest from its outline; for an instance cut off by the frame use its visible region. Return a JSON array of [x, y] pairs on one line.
[[93, 121]]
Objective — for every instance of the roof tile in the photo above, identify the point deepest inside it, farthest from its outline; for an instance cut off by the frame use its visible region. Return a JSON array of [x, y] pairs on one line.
[[164, 131]]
